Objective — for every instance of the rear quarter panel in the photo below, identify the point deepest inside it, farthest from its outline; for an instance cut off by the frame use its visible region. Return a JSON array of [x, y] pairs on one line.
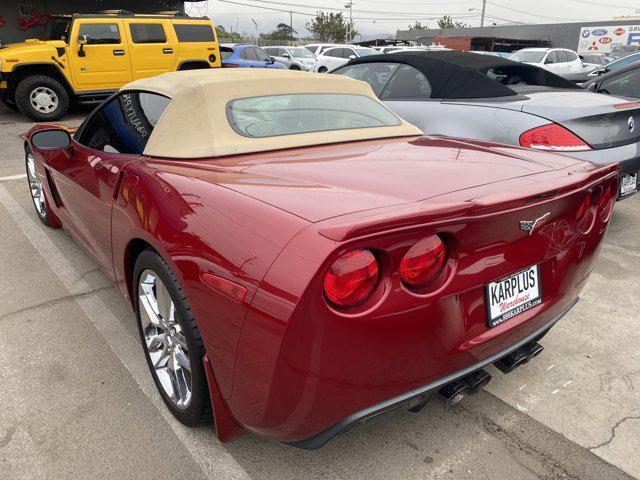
[[488, 123], [199, 227]]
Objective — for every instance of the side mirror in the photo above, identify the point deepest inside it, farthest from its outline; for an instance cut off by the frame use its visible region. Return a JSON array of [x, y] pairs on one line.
[[82, 41], [351, 57], [549, 61], [57, 139], [272, 60], [592, 87], [286, 55]]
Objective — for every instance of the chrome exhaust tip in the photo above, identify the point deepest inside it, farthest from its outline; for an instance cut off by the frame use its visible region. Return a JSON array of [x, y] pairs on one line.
[[477, 380], [455, 391], [518, 357]]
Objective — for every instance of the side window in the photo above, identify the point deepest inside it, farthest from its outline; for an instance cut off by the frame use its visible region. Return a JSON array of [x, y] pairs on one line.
[[563, 57], [261, 55], [348, 52], [100, 33], [147, 33], [551, 58], [226, 52], [271, 50], [625, 84], [332, 52], [249, 54], [571, 56], [375, 74], [406, 83], [124, 123], [194, 32]]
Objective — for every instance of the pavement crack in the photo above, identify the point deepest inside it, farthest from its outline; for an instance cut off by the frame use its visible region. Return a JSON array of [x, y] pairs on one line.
[[613, 432], [54, 301], [6, 438]]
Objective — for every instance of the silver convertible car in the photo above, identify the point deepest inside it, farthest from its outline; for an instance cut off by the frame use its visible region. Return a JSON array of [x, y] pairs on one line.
[[497, 100]]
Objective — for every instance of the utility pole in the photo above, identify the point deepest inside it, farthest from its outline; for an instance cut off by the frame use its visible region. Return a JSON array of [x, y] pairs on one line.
[[290, 27], [350, 7], [484, 8]]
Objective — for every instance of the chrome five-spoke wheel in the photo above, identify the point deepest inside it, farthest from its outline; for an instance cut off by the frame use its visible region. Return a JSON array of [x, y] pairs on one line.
[[35, 185], [164, 339]]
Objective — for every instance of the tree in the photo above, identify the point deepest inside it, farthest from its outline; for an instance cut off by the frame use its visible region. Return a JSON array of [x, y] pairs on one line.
[[448, 22], [418, 26], [224, 35], [331, 27], [283, 32]]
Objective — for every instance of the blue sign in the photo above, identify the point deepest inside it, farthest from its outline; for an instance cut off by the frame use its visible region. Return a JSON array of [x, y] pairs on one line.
[[599, 32], [633, 39]]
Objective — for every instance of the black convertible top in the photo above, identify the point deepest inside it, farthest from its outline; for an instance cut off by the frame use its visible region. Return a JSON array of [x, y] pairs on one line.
[[462, 75]]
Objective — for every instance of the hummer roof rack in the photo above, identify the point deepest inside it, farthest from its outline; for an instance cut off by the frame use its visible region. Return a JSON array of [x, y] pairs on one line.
[[175, 13], [116, 12]]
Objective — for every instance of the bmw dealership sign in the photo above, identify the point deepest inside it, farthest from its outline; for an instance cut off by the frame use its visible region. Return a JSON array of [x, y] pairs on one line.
[[604, 39]]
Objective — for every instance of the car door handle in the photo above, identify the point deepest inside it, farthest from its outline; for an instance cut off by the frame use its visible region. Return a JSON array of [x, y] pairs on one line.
[[167, 50], [118, 53]]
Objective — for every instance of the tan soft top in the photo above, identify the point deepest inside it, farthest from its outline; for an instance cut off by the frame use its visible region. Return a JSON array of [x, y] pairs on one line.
[[195, 124]]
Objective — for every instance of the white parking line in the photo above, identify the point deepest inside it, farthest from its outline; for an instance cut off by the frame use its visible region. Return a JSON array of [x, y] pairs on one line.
[[13, 177], [214, 460]]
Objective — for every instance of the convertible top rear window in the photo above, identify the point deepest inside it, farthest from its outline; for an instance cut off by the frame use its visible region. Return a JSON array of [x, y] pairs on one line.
[[278, 115]]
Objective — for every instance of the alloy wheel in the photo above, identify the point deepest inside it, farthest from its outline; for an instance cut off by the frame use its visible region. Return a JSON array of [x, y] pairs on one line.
[[43, 99], [35, 186], [164, 340]]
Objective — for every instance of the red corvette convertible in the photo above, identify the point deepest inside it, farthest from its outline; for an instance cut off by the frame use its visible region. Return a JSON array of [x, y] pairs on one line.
[[300, 260]]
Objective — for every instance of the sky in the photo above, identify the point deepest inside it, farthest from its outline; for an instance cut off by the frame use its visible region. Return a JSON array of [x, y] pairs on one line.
[[380, 17]]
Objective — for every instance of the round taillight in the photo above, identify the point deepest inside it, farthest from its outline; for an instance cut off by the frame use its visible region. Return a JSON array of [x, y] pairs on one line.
[[608, 199], [583, 209], [352, 278], [424, 262]]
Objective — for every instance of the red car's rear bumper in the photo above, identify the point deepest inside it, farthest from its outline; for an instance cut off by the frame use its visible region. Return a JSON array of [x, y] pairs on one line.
[[419, 396]]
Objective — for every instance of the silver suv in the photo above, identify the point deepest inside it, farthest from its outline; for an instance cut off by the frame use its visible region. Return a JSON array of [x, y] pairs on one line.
[[295, 58]]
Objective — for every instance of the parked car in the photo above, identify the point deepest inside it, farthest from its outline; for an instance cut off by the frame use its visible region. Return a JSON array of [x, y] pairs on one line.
[[462, 94], [622, 83], [295, 58], [557, 60], [593, 61], [247, 56], [613, 66], [87, 57], [335, 57], [318, 48], [620, 51], [299, 254]]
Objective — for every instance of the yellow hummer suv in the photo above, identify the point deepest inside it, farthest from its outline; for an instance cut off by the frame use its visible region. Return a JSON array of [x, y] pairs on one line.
[[87, 57]]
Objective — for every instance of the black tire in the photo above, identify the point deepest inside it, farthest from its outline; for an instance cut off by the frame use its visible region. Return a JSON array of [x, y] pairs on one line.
[[28, 85], [323, 70], [294, 67], [43, 210], [198, 411]]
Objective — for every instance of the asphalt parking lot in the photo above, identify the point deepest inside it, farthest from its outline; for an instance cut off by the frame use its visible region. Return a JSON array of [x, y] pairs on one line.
[[77, 401]]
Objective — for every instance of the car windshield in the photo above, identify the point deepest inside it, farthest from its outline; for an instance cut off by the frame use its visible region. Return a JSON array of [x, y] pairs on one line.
[[528, 56], [592, 59], [290, 114], [623, 62], [363, 52], [56, 29], [301, 53]]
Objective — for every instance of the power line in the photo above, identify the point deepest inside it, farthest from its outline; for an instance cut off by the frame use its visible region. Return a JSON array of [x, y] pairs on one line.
[[599, 4], [532, 14], [374, 12], [406, 18]]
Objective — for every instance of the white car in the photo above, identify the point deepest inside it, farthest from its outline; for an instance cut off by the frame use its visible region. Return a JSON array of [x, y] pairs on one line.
[[335, 57], [295, 58], [557, 60], [318, 48]]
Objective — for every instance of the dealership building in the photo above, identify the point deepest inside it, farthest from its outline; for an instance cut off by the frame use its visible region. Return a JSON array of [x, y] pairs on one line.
[[591, 37], [21, 19]]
